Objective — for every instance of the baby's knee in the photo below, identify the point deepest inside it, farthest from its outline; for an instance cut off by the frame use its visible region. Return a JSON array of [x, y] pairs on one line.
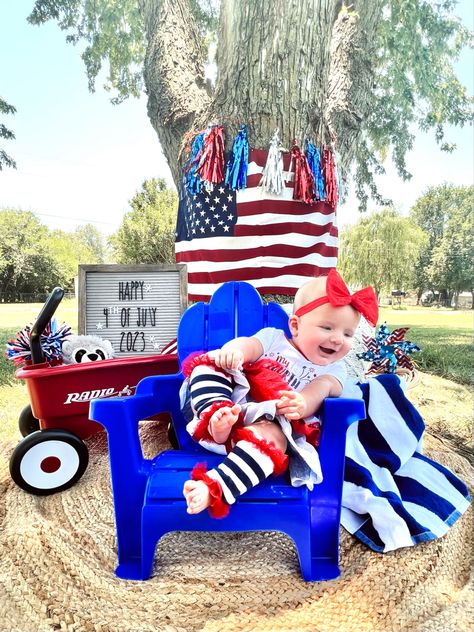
[[269, 431]]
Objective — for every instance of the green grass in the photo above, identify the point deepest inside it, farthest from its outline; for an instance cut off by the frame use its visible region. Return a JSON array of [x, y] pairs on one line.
[[444, 336]]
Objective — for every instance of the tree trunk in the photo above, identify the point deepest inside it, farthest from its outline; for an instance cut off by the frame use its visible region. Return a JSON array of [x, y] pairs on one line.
[[302, 66], [455, 299]]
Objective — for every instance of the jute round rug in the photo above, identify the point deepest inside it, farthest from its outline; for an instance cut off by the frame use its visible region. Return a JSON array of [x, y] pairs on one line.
[[58, 555]]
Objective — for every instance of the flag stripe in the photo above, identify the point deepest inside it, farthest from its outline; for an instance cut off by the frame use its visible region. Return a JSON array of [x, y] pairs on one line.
[[275, 263], [273, 253], [254, 193], [286, 284], [236, 244], [258, 212], [246, 274], [305, 228]]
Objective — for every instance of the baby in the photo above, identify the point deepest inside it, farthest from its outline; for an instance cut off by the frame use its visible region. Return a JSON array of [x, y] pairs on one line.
[[257, 436]]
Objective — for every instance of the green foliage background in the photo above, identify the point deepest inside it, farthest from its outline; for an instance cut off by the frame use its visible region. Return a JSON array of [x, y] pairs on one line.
[[147, 232], [380, 250], [6, 134], [432, 249], [34, 259]]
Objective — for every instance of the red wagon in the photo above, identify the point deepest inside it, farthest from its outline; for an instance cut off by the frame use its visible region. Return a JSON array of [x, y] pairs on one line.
[[53, 456]]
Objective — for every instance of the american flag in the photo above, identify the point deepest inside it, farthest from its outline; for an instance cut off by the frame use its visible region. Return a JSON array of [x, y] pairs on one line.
[[272, 241], [170, 348]]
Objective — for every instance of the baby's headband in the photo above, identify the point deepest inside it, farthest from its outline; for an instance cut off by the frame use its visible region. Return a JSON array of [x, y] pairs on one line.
[[337, 294]]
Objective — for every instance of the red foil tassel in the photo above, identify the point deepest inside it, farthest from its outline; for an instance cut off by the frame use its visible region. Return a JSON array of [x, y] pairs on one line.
[[329, 174], [304, 185], [212, 163]]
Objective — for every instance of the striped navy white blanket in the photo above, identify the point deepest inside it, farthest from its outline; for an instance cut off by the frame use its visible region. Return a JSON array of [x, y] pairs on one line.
[[393, 495]]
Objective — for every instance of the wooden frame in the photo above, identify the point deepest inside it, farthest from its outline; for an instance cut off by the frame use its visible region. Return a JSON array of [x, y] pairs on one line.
[[125, 287]]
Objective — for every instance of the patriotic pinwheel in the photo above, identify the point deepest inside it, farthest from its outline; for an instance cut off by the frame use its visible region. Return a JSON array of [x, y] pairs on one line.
[[388, 350]]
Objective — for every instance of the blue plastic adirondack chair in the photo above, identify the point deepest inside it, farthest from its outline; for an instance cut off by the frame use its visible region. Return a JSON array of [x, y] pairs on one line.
[[148, 494]]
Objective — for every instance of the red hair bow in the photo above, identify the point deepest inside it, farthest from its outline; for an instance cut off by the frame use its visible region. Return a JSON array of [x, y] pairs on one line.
[[364, 301]]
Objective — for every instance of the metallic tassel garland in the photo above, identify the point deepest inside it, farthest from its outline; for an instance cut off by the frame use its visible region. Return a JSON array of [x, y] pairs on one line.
[[193, 181], [329, 173], [314, 161]]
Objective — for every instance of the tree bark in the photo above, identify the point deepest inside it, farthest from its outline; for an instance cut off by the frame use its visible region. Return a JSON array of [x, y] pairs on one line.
[[174, 74], [302, 66]]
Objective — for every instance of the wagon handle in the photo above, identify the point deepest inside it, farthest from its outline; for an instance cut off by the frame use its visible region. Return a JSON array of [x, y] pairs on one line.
[[45, 315]]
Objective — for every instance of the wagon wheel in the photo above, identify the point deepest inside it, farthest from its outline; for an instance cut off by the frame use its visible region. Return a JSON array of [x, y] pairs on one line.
[[48, 461], [27, 422]]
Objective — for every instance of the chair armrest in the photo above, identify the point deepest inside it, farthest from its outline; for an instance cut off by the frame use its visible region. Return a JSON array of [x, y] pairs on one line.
[[153, 395], [338, 414], [120, 416]]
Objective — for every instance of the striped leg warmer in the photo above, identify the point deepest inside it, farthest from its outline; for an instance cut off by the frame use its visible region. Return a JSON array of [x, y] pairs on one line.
[[208, 385], [250, 462]]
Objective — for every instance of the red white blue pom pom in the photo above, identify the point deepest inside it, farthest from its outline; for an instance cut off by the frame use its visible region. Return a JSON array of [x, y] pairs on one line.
[[314, 160], [211, 164], [329, 174], [304, 188], [18, 351]]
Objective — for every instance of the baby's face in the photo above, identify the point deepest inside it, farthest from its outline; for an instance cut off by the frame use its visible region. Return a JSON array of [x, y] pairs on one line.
[[325, 334]]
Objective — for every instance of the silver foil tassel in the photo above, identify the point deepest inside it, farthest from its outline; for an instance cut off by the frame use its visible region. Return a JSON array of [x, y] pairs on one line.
[[272, 177]]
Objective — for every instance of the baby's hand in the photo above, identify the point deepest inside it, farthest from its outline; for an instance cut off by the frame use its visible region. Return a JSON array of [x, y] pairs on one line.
[[228, 358], [291, 404]]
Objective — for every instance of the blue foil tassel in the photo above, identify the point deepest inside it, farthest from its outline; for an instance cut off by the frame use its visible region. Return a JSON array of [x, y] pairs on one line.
[[236, 171], [314, 160], [193, 181]]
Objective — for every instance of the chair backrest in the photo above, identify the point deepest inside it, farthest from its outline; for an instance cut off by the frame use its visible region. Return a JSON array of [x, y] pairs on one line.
[[236, 309]]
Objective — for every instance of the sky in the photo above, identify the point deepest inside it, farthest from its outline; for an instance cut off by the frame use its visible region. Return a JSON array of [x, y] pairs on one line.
[[81, 159]]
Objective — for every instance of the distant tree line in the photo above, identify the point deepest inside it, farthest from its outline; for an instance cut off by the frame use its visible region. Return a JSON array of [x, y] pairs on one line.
[[34, 259], [430, 252]]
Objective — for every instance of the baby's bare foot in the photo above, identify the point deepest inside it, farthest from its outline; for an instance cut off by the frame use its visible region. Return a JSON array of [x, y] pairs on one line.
[[221, 422], [197, 496]]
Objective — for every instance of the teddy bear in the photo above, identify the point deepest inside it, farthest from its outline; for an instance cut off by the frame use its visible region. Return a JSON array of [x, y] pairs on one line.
[[80, 349]]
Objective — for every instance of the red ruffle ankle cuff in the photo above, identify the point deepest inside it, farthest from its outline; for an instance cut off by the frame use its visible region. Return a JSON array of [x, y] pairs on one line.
[[196, 359], [218, 508]]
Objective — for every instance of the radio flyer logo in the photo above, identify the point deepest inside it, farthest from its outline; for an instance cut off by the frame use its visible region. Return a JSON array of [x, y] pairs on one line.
[[87, 396]]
